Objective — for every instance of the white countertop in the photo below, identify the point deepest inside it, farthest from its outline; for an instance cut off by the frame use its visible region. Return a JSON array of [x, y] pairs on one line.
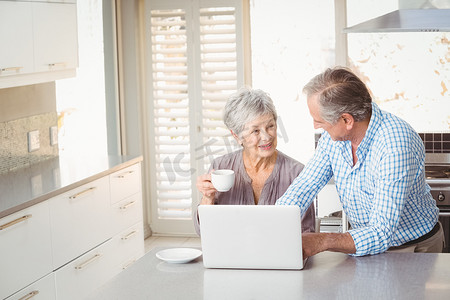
[[327, 275], [30, 185]]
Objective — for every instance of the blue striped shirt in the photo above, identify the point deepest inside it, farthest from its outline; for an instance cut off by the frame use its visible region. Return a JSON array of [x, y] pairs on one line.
[[384, 195]]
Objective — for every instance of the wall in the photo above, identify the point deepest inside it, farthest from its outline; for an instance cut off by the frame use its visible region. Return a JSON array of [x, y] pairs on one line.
[[24, 109]]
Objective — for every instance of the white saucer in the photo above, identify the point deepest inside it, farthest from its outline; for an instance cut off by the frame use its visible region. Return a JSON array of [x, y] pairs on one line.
[[178, 255]]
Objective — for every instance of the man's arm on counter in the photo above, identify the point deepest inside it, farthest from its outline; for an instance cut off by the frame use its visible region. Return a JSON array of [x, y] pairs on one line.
[[314, 243]]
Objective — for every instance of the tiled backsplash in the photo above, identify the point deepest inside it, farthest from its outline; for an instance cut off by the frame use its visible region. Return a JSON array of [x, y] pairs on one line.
[[14, 141], [434, 142]]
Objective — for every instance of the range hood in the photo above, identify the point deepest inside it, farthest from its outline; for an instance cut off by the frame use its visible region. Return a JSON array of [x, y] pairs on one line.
[[406, 20]]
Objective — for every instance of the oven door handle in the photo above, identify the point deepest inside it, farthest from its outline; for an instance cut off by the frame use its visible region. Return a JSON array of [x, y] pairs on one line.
[[444, 214]]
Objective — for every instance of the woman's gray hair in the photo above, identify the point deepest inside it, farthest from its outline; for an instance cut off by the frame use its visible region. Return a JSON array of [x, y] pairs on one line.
[[246, 105], [340, 91]]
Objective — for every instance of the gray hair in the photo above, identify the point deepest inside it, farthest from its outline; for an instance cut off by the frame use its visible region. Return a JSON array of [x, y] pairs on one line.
[[246, 105], [340, 91]]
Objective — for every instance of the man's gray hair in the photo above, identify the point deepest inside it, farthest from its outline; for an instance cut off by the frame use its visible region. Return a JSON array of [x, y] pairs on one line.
[[245, 106], [340, 91]]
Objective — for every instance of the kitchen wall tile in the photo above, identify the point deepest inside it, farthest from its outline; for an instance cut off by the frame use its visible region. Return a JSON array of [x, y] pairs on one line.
[[14, 141], [436, 142], [437, 146]]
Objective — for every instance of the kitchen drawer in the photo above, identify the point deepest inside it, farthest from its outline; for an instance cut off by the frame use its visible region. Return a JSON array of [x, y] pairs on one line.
[[25, 251], [81, 276], [125, 183], [81, 220], [128, 245], [127, 212], [43, 289]]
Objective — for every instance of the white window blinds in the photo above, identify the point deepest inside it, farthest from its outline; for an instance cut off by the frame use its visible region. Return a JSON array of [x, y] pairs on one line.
[[194, 53]]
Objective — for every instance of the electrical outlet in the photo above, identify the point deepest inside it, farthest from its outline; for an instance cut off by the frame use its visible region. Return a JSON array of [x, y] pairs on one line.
[[33, 141], [53, 135]]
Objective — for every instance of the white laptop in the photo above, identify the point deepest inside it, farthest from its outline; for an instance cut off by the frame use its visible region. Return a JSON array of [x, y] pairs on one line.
[[251, 236]]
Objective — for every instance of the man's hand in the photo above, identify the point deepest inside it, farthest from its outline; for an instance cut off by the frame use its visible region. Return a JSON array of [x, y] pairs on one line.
[[314, 243]]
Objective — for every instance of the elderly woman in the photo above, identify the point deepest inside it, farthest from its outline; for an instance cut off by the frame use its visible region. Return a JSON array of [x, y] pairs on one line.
[[262, 173]]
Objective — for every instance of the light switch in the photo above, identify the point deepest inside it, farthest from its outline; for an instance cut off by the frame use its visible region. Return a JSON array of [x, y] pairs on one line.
[[53, 135], [33, 140]]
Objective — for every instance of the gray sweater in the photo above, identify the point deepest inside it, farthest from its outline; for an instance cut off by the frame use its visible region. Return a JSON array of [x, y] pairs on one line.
[[286, 169]]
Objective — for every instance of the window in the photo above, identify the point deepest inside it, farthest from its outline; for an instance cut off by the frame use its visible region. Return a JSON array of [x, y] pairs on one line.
[[194, 62]]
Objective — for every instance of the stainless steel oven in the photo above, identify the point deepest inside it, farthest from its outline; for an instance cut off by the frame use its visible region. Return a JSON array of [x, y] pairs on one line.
[[437, 172]]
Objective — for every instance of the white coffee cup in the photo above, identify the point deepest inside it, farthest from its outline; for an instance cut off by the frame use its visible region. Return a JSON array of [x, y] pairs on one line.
[[223, 179]]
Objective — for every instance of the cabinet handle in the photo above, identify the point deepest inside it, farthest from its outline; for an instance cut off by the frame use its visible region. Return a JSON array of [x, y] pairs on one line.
[[29, 295], [58, 64], [82, 193], [129, 235], [9, 224], [89, 261], [124, 174], [126, 206], [8, 69]]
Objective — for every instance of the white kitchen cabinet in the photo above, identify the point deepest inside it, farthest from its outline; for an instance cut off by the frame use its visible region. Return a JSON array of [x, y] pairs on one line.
[[72, 243], [55, 36], [16, 36], [43, 289], [39, 42], [123, 245], [81, 220], [126, 203], [25, 248], [80, 277]]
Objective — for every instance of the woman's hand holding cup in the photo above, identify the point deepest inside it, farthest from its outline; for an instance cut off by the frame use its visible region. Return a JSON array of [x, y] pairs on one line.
[[217, 180], [207, 189]]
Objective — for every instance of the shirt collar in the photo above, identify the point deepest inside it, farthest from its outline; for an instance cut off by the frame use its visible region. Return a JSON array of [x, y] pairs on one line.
[[374, 123]]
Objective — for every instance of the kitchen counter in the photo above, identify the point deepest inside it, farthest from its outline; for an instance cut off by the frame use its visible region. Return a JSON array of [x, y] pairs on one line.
[[327, 275], [39, 182]]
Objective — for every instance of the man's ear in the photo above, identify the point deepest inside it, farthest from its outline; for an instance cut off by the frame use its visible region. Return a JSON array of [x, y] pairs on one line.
[[349, 121]]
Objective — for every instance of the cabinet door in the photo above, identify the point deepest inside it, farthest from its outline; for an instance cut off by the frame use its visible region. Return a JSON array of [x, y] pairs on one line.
[[128, 246], [25, 248], [55, 36], [80, 277], [16, 36], [81, 220], [43, 289]]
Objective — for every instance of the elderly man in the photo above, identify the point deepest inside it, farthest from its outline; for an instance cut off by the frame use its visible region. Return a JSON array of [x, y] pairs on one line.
[[377, 161]]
